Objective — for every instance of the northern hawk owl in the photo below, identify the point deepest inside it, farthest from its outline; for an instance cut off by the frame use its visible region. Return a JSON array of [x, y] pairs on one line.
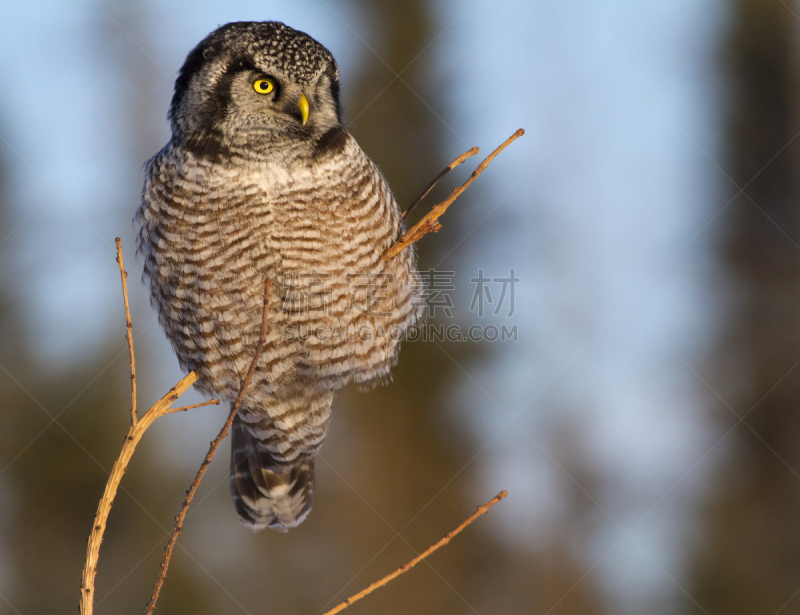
[[261, 180]]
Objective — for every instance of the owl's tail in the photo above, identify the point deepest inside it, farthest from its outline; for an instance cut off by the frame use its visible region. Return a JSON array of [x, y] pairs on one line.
[[267, 493]]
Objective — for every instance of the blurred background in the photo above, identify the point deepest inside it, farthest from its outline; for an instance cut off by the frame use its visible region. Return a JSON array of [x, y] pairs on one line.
[[645, 418]]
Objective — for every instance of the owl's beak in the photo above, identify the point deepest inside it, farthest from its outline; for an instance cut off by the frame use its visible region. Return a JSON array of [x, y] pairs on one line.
[[303, 104]]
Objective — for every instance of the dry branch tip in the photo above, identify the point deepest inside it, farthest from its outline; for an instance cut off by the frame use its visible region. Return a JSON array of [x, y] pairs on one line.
[[128, 328], [430, 222], [445, 171], [210, 402], [482, 509]]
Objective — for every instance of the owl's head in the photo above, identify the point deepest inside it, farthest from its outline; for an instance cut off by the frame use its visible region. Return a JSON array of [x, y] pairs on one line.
[[250, 85]]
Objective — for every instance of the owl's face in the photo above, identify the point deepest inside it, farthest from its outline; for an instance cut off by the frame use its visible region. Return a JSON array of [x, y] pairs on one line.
[[250, 86]]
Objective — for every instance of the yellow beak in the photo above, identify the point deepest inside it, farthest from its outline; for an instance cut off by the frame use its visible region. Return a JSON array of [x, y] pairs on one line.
[[303, 104]]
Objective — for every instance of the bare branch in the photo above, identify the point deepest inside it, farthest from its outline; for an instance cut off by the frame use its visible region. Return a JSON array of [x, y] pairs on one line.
[[176, 530], [128, 329], [436, 179], [135, 434], [405, 567], [430, 223]]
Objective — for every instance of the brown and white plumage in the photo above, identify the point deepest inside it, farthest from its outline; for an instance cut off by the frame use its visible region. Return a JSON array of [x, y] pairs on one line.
[[245, 190]]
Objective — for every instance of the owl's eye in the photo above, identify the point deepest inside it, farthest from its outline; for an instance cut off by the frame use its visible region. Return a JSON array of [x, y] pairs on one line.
[[263, 86]]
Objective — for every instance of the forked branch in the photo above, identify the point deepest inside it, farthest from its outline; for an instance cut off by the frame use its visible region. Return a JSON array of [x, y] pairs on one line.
[[430, 222], [445, 171]]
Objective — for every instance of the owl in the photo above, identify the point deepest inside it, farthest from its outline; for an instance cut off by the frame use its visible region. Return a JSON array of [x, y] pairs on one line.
[[261, 180]]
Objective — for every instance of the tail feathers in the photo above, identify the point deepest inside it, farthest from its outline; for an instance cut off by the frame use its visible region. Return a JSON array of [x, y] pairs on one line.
[[267, 493]]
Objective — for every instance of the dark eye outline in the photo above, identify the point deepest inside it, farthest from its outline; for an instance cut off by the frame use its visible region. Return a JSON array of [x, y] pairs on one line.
[[264, 80]]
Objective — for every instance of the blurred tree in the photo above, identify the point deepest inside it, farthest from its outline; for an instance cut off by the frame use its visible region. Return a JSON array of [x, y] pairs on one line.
[[748, 562]]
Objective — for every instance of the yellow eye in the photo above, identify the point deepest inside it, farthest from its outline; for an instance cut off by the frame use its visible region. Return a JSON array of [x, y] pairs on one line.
[[263, 86]]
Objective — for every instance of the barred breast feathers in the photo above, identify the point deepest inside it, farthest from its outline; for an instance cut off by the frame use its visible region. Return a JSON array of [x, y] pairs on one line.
[[211, 232]]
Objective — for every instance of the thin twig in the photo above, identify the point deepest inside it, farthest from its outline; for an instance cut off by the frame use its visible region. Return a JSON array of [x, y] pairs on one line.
[[430, 223], [436, 179], [405, 567], [176, 530], [128, 329], [210, 402]]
